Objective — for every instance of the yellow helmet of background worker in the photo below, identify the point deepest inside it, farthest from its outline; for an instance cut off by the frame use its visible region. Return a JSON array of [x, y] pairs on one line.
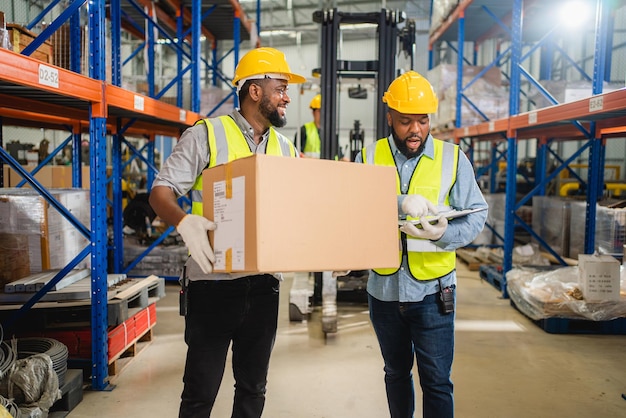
[[260, 62], [411, 94], [316, 102]]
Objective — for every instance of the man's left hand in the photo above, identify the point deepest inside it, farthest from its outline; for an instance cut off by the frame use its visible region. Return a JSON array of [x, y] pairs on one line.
[[428, 230]]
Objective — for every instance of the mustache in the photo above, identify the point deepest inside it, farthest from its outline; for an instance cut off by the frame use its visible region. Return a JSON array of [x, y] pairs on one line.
[[414, 136]]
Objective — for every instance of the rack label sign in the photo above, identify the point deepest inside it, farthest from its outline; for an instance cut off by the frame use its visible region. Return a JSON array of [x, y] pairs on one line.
[[48, 76], [532, 118], [182, 115], [138, 105], [596, 104]]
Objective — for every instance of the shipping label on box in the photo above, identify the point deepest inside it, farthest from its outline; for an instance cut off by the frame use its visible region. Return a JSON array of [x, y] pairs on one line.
[[277, 214], [599, 277]]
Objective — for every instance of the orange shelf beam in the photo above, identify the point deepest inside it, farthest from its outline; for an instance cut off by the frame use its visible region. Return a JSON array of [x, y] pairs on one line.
[[149, 107], [33, 106], [483, 131], [26, 71], [591, 108]]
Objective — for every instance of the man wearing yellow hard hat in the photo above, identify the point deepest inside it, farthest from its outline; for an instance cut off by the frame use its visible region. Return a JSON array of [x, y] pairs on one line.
[[310, 141], [412, 307], [226, 308]]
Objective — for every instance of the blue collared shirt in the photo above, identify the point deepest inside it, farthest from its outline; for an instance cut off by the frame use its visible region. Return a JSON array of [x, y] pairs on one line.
[[465, 194]]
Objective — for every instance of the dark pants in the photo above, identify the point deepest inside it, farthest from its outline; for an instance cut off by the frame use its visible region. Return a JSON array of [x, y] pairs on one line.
[[242, 311], [408, 329]]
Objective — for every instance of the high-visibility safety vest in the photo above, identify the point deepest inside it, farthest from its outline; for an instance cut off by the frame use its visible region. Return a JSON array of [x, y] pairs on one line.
[[432, 179], [227, 143], [313, 146]]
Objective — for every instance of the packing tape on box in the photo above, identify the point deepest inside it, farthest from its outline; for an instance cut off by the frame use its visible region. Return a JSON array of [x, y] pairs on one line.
[[229, 180], [229, 260]]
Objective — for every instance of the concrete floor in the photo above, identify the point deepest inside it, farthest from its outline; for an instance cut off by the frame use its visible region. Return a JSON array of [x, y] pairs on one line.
[[505, 367]]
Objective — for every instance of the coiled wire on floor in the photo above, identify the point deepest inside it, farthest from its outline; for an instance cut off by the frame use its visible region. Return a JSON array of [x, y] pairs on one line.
[[7, 359], [56, 350]]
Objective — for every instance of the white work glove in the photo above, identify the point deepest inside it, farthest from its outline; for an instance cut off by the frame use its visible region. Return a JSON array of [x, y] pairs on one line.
[[193, 229], [341, 273], [416, 206], [428, 230]]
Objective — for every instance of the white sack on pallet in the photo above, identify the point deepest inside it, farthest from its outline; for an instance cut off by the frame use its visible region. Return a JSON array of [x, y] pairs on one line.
[[541, 294]]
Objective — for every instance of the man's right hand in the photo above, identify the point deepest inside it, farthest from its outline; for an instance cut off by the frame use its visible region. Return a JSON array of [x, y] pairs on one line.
[[416, 206], [193, 229]]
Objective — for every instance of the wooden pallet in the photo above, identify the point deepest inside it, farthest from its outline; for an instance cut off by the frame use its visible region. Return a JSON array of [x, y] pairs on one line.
[[472, 258], [121, 360], [124, 300]]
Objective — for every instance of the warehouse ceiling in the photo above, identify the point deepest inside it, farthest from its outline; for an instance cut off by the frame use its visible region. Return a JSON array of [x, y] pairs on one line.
[[290, 22]]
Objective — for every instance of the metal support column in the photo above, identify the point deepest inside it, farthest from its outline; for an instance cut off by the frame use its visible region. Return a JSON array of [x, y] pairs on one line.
[[116, 185], [196, 15], [116, 42], [511, 168], [97, 131]]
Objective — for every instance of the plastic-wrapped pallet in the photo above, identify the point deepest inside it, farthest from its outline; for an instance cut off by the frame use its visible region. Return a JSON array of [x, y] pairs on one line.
[[161, 261], [551, 221], [441, 9], [47, 240]]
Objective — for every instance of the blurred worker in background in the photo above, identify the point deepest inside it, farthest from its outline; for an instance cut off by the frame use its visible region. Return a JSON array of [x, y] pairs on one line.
[[412, 307], [310, 141], [224, 308]]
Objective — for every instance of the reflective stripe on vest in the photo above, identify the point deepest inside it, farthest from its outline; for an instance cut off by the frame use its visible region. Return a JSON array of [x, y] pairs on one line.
[[227, 143], [313, 145], [433, 179]]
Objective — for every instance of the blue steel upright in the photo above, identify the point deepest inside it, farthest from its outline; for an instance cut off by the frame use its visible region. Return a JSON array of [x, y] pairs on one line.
[[97, 132], [511, 167]]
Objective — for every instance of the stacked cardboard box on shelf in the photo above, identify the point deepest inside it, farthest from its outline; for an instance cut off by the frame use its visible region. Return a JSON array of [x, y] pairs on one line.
[[50, 176], [565, 91], [44, 239], [487, 93], [20, 38]]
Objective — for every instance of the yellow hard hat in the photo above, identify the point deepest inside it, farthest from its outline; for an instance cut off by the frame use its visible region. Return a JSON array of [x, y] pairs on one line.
[[261, 62], [316, 102], [411, 94]]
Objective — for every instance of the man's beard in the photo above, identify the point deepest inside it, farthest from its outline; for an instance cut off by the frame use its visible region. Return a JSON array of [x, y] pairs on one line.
[[401, 144], [271, 113]]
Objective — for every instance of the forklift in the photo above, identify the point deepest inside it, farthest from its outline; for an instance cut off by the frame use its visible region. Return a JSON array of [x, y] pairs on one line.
[[332, 72]]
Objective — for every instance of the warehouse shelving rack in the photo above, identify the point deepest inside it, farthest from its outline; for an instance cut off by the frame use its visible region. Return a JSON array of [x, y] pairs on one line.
[[37, 94], [592, 119]]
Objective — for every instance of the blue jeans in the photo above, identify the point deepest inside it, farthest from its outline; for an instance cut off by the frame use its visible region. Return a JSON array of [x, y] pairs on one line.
[[242, 311], [407, 328]]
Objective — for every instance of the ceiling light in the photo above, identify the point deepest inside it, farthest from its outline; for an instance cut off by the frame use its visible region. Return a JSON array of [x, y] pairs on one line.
[[573, 14]]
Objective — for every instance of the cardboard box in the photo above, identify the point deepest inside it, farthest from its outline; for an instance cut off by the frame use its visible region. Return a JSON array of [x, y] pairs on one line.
[[277, 214], [21, 37], [43, 176], [50, 176], [14, 258], [5, 176], [599, 277]]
